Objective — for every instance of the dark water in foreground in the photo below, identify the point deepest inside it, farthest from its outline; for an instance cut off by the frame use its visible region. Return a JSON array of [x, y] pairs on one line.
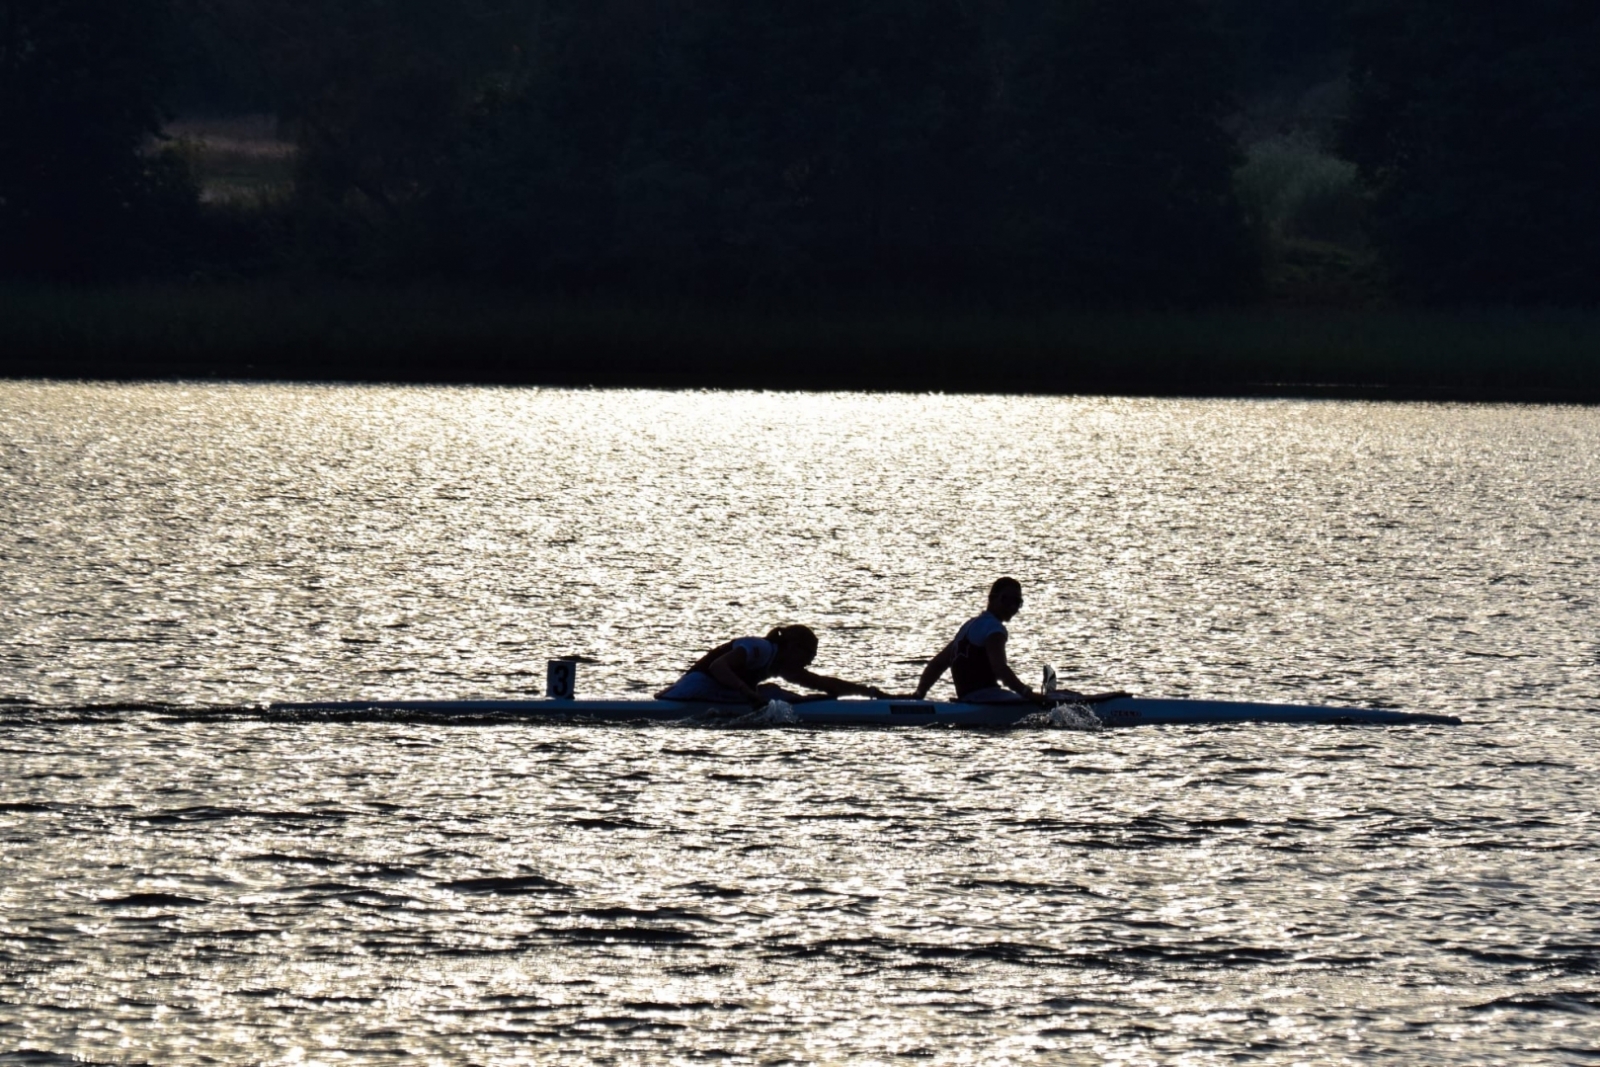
[[205, 884]]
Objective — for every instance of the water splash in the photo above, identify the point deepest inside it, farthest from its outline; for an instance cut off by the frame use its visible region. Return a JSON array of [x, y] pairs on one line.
[[776, 713], [1064, 717]]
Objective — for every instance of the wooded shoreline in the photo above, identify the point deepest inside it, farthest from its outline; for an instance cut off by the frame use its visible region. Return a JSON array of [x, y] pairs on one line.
[[436, 334]]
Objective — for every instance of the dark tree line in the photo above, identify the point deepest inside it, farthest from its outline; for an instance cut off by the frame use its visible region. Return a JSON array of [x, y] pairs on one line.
[[1041, 150], [81, 84], [1477, 125], [917, 147]]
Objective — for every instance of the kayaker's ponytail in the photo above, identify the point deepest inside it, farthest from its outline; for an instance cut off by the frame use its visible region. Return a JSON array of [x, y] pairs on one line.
[[800, 639]]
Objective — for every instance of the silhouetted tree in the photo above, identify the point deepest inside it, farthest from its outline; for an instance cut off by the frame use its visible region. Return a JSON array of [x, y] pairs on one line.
[[1277, 43], [81, 85], [375, 92], [530, 188], [724, 143], [1477, 123], [1118, 165], [219, 72], [848, 136]]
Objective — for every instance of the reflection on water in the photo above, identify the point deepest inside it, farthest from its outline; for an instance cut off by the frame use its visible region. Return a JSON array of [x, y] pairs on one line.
[[180, 889]]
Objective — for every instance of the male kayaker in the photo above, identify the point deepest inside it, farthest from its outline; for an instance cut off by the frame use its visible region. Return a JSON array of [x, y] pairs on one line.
[[976, 659], [733, 673]]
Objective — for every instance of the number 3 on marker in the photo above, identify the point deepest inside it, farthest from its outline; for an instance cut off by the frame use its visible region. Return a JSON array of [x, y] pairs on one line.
[[560, 679]]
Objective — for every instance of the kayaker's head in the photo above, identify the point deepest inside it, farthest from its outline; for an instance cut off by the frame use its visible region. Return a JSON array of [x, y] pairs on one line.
[[797, 645], [1005, 598]]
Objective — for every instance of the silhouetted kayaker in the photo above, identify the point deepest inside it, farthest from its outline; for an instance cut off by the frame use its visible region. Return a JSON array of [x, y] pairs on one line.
[[733, 673], [976, 659]]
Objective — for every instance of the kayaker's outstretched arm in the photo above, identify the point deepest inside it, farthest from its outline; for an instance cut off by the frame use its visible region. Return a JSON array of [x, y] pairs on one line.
[[935, 670], [834, 687]]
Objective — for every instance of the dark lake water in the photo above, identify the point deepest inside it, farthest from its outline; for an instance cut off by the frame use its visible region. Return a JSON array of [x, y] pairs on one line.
[[187, 879]]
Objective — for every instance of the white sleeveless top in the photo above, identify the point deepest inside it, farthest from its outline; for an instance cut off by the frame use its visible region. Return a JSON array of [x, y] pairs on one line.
[[971, 670], [759, 656]]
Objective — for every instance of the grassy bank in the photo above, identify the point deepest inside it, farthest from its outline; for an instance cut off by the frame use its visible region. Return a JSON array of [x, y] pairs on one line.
[[282, 331]]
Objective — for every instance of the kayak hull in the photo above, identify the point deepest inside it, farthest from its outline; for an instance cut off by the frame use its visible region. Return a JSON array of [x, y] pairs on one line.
[[1125, 711]]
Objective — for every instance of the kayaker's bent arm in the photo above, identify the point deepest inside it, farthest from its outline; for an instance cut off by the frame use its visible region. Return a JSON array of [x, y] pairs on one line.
[[722, 669], [934, 670], [995, 647]]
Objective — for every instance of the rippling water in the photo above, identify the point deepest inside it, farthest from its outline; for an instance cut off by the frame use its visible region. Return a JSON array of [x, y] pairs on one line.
[[191, 881]]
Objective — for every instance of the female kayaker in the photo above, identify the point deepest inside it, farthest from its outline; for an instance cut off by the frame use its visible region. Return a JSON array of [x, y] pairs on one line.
[[733, 673]]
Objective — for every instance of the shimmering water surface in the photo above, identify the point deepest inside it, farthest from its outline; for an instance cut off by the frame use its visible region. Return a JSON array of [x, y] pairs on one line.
[[192, 881]]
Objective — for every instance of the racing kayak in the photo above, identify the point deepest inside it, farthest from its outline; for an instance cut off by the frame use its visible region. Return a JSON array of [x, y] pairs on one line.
[[1123, 711]]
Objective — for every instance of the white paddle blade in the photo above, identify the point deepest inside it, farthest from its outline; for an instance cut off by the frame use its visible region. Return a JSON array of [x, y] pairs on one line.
[[1049, 679]]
